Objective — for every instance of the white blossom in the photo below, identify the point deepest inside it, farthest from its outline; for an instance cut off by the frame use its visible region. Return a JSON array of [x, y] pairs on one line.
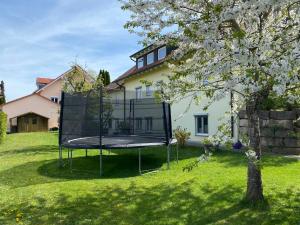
[[249, 47]]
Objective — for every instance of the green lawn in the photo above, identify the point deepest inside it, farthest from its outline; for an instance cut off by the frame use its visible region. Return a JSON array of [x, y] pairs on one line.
[[34, 191]]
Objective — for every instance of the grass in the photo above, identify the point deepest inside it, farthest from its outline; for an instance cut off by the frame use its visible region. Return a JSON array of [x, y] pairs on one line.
[[34, 191]]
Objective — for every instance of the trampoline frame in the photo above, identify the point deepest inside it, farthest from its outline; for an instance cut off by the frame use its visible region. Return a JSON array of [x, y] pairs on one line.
[[168, 139], [139, 149]]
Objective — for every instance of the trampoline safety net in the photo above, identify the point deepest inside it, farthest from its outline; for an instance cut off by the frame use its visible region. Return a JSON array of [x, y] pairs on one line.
[[93, 120]]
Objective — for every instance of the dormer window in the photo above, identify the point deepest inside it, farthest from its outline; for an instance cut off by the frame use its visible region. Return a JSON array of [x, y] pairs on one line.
[[54, 99], [140, 62], [40, 86], [150, 58], [162, 52]]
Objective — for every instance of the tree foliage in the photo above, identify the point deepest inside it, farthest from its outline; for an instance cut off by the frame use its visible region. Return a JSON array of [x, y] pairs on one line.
[[104, 76], [2, 93], [3, 126], [248, 48], [79, 80]]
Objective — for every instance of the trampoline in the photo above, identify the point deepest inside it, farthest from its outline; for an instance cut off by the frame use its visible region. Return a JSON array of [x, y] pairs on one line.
[[101, 120]]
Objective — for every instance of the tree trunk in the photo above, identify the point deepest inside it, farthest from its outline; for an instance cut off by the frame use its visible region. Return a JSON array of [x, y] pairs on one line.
[[254, 183]]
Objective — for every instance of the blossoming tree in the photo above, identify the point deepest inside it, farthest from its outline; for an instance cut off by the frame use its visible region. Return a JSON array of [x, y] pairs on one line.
[[246, 47]]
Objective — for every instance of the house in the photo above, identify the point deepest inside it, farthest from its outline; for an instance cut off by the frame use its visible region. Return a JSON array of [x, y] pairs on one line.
[[38, 111], [151, 65]]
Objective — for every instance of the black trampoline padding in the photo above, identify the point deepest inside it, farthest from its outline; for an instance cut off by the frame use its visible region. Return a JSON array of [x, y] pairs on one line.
[[114, 142]]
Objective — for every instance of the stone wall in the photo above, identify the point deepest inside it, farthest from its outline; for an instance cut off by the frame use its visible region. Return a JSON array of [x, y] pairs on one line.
[[280, 130]]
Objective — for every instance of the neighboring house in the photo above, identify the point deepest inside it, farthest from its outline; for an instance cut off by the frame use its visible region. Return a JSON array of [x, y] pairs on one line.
[[38, 111], [151, 66]]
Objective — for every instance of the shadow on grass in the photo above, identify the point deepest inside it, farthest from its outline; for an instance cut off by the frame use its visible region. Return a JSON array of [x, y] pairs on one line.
[[158, 204], [114, 166], [40, 149], [230, 159], [47, 171]]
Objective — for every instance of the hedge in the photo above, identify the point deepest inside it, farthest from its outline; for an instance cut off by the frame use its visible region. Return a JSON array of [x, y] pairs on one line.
[[3, 126]]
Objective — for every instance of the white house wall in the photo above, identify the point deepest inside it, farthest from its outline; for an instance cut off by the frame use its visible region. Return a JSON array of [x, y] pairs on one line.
[[215, 112]]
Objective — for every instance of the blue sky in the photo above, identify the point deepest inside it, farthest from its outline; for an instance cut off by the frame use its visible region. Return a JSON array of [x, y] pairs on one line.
[[42, 38]]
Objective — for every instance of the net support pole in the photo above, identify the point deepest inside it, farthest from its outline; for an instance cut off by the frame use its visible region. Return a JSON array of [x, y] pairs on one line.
[[166, 134], [177, 152], [71, 160], [140, 161], [60, 161], [100, 128], [86, 154], [100, 162], [168, 156]]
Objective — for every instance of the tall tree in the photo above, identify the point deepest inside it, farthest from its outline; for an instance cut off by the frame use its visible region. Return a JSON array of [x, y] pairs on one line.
[[104, 76], [249, 48], [2, 93]]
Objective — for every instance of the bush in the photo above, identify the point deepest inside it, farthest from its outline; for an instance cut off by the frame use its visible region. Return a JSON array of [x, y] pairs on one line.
[[3, 126], [53, 129], [181, 135]]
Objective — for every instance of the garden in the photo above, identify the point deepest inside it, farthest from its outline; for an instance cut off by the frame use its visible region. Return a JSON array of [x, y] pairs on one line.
[[34, 190]]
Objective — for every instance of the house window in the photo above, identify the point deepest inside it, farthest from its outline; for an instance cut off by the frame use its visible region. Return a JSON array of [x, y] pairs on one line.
[[148, 124], [34, 120], [139, 123], [117, 100], [140, 62], [138, 93], [54, 99], [40, 86], [150, 58], [148, 90], [162, 52], [201, 124]]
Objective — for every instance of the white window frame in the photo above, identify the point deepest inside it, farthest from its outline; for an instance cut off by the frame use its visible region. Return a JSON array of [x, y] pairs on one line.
[[140, 62], [138, 93], [52, 98], [149, 124], [117, 100], [201, 115], [149, 91], [139, 124], [150, 56], [159, 52]]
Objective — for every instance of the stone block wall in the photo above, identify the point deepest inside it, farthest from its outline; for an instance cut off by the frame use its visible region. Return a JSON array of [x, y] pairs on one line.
[[280, 130]]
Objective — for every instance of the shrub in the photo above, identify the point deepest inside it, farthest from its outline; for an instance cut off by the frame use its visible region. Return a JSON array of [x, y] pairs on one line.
[[182, 135], [3, 126], [53, 129]]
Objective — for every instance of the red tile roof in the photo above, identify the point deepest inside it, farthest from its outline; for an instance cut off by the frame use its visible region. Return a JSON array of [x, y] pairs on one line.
[[134, 70], [115, 85], [42, 80]]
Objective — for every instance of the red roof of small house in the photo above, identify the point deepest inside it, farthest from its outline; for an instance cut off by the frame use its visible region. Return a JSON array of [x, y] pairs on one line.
[[43, 80]]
